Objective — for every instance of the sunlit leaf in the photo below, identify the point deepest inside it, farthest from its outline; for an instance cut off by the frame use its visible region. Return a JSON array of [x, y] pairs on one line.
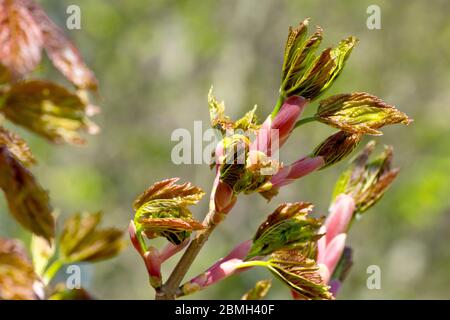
[[359, 112], [287, 227], [223, 123], [305, 74], [297, 271]]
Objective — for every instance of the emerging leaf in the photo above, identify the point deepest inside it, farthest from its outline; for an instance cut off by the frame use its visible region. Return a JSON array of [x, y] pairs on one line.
[[303, 73], [83, 241], [367, 181], [17, 276], [223, 123], [298, 52], [28, 202], [359, 112], [49, 110], [287, 227], [17, 146], [336, 147], [297, 271], [162, 210], [259, 291]]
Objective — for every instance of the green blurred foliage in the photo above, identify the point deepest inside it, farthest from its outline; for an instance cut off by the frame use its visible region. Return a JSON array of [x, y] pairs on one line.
[[155, 61]]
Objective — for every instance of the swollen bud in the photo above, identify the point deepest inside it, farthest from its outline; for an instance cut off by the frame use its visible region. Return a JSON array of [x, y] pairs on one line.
[[337, 147]]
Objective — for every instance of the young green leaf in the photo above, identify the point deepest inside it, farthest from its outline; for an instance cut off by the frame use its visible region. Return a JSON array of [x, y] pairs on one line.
[[287, 227]]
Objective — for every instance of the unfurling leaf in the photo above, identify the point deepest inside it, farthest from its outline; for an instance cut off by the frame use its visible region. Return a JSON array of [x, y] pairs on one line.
[[287, 227], [336, 147], [259, 291], [162, 210], [49, 110], [359, 112], [21, 38], [303, 73], [223, 123], [17, 146], [83, 241], [28, 202], [367, 181], [41, 253], [25, 31], [297, 271], [300, 274], [17, 276]]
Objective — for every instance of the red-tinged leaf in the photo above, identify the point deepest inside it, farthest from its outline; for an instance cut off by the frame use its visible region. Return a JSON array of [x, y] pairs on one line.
[[21, 39], [61, 50], [28, 202]]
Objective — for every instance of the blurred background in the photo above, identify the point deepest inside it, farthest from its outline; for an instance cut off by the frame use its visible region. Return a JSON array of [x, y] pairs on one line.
[[156, 60]]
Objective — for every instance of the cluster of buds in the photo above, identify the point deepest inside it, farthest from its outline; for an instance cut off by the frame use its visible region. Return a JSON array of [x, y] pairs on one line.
[[307, 254]]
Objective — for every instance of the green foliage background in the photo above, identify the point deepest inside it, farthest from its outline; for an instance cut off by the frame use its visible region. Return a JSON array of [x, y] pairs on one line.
[[156, 60]]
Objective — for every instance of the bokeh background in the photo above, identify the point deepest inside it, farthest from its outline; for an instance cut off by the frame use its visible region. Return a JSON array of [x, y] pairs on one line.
[[156, 61]]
